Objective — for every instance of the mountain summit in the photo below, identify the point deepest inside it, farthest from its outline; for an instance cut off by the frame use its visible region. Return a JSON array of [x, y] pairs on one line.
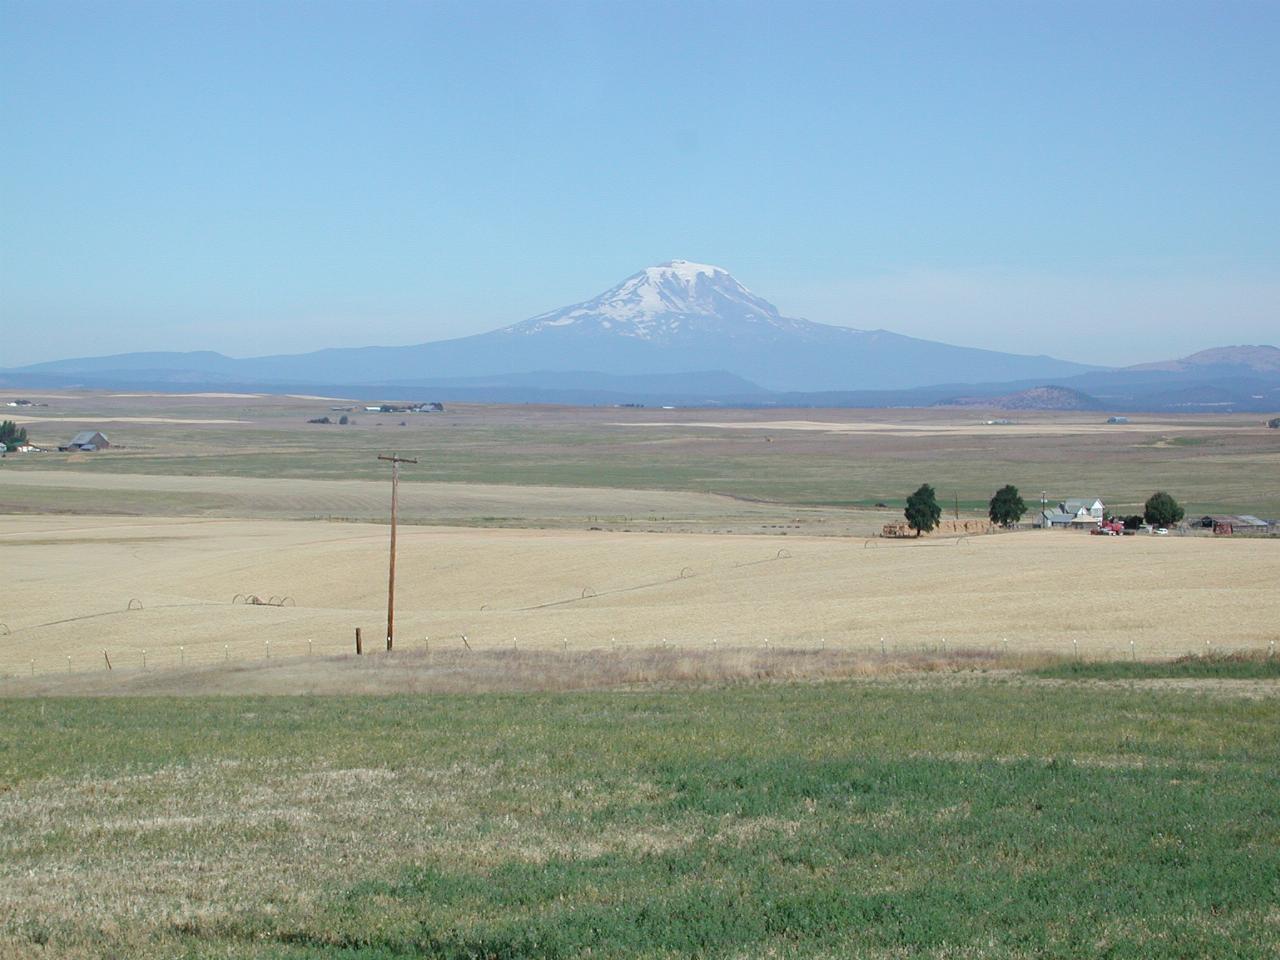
[[664, 304]]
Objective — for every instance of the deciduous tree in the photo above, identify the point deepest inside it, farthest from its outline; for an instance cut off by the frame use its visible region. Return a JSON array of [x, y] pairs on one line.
[[1006, 507], [1162, 510], [923, 512]]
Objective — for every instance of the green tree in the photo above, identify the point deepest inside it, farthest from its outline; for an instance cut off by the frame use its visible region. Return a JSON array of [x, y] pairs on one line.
[[1006, 507], [923, 512], [1162, 510], [11, 435]]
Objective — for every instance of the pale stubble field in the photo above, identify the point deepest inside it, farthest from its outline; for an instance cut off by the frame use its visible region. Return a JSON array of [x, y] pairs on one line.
[[1044, 591]]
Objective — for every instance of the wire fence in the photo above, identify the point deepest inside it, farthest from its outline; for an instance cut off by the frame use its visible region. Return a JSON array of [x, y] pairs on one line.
[[203, 655]]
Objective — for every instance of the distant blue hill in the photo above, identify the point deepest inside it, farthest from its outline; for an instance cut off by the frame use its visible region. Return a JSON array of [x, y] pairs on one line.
[[684, 332]]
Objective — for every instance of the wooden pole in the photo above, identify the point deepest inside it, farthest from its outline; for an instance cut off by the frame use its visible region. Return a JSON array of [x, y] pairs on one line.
[[359, 646], [395, 460]]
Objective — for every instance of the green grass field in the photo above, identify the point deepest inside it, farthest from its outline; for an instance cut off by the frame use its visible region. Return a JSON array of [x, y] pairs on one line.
[[950, 816], [1233, 666]]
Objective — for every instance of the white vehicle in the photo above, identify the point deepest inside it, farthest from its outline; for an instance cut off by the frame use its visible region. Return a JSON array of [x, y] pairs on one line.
[[1162, 532]]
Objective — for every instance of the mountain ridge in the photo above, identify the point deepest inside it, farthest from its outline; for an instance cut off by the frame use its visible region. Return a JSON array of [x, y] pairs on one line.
[[692, 332], [673, 318]]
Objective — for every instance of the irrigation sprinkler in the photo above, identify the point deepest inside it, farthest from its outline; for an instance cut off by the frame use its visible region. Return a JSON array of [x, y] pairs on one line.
[[144, 659], [1075, 647], [268, 649], [766, 643], [824, 643], [1133, 650], [882, 649], [182, 655], [565, 642], [310, 649], [1006, 646], [1271, 649], [226, 651], [68, 663], [33, 666]]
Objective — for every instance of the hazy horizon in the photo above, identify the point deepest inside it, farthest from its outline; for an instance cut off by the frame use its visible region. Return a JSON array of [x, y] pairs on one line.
[[1093, 182]]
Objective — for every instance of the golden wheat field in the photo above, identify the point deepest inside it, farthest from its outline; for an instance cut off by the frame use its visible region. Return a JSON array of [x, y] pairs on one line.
[[73, 580]]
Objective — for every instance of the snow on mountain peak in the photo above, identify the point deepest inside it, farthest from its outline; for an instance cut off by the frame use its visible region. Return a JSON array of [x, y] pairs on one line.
[[662, 302]]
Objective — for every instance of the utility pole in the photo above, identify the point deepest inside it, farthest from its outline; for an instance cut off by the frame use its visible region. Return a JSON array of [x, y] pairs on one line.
[[395, 461]]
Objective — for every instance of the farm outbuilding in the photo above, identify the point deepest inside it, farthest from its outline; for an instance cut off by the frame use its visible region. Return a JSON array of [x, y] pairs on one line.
[[1054, 518], [88, 440]]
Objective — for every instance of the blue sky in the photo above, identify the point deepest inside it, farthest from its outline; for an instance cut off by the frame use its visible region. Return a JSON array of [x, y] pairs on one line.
[[1095, 181]]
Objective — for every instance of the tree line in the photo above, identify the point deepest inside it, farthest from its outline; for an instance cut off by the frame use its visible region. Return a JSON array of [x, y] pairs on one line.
[[1006, 508], [12, 435]]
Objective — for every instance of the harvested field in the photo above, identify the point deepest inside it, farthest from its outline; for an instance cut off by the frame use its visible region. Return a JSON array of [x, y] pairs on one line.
[[72, 580], [497, 505]]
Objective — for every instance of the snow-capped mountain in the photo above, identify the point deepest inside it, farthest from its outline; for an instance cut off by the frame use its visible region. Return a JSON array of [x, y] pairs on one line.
[[676, 318], [667, 303]]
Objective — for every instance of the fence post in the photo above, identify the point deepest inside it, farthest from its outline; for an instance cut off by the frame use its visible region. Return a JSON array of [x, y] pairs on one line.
[[359, 645], [106, 658]]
